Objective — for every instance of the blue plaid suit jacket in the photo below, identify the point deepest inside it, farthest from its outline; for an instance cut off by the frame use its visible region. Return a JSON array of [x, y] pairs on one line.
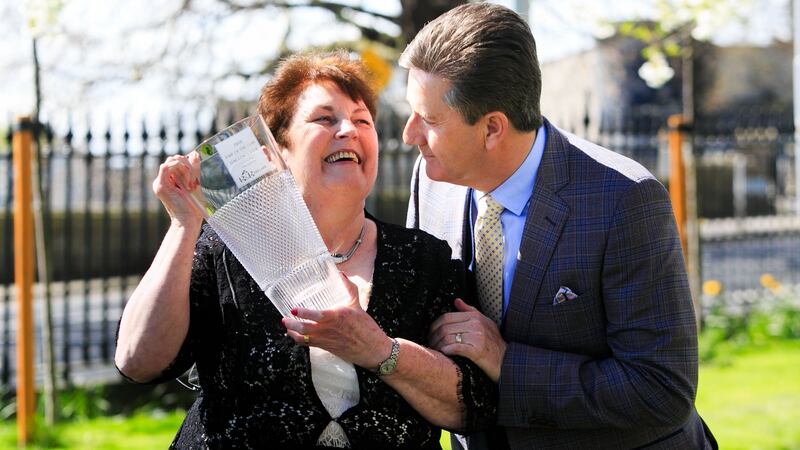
[[615, 367]]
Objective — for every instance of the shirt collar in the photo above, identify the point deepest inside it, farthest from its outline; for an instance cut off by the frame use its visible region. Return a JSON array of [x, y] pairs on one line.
[[515, 192]]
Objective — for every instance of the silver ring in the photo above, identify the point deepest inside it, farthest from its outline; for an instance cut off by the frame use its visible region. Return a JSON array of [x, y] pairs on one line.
[[458, 338]]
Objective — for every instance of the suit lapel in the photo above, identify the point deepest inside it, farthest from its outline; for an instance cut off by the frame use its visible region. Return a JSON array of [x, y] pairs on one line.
[[466, 230], [547, 214], [470, 288]]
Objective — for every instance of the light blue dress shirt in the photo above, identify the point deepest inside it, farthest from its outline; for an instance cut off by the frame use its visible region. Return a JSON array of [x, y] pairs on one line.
[[514, 194]]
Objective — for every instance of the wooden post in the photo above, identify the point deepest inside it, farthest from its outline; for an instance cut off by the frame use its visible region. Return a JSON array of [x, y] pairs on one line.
[[683, 192], [677, 176], [22, 143]]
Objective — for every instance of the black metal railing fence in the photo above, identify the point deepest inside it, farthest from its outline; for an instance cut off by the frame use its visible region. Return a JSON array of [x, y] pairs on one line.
[[101, 226]]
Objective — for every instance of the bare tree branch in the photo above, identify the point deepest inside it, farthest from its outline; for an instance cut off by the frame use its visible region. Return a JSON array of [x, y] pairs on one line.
[[336, 8], [342, 13], [160, 49]]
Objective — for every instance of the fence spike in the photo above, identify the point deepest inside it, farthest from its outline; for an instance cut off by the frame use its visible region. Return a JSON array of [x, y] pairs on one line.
[[145, 136]]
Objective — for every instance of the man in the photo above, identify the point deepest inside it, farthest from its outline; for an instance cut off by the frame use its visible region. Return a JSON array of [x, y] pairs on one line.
[[587, 321]]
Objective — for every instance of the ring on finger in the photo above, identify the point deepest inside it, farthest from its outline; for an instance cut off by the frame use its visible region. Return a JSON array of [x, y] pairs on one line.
[[306, 339], [459, 338]]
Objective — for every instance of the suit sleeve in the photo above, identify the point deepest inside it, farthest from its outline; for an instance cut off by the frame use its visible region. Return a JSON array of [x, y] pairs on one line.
[[650, 376]]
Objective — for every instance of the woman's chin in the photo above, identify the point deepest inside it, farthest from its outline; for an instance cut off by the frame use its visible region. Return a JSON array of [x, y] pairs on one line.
[[342, 166], [349, 174], [337, 188]]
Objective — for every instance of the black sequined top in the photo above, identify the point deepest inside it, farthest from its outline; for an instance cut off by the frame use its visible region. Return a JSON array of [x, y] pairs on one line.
[[256, 388]]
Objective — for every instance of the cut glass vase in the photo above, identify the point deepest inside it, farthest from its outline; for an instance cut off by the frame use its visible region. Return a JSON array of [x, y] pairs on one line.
[[250, 198]]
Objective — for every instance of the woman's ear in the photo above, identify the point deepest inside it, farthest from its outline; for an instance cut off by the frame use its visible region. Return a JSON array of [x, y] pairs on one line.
[[496, 128], [285, 153]]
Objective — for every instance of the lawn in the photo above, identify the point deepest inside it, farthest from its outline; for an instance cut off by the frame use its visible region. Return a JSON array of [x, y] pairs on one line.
[[751, 401], [754, 401], [140, 431]]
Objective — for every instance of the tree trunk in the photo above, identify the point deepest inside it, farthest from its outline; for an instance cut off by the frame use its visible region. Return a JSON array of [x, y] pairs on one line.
[[42, 261], [416, 13]]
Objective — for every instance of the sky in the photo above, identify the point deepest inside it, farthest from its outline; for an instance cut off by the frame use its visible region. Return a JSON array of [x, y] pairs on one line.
[[106, 39]]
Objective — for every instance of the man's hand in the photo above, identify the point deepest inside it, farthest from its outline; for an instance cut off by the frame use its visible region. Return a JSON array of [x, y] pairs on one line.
[[470, 334]]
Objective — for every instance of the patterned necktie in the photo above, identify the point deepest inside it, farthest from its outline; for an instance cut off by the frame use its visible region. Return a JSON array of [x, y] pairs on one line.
[[489, 257]]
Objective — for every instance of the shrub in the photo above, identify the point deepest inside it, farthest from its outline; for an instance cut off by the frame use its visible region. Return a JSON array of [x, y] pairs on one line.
[[732, 323]]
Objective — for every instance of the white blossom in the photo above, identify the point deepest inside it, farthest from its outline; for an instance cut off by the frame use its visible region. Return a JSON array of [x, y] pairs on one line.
[[603, 30], [41, 15], [656, 70]]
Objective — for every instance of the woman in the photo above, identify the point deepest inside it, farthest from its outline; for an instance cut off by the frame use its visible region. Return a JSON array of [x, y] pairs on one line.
[[261, 384]]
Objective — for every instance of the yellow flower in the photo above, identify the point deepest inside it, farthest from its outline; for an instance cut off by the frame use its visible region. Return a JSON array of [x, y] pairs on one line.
[[769, 282], [712, 288]]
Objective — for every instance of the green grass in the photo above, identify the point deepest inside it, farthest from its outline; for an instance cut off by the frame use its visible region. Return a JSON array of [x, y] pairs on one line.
[[753, 401], [140, 431], [750, 399]]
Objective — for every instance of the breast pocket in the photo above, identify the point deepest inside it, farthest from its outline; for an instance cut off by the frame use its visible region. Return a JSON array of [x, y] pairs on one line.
[[579, 323]]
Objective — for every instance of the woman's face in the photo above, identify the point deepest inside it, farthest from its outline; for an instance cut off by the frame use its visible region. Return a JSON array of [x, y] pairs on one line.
[[333, 145]]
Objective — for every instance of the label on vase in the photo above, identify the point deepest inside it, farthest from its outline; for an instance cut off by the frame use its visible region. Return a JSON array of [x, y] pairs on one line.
[[243, 157]]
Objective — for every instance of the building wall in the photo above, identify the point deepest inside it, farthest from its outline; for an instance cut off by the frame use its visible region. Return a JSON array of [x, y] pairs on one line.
[[603, 84], [735, 77]]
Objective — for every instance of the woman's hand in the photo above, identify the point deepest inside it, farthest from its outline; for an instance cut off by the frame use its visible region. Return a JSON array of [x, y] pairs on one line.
[[347, 331], [177, 177]]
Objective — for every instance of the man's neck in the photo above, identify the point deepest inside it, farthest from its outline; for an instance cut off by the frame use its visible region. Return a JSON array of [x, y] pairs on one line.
[[506, 160]]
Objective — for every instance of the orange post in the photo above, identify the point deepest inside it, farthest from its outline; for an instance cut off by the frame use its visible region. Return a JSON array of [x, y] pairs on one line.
[[677, 175], [22, 144]]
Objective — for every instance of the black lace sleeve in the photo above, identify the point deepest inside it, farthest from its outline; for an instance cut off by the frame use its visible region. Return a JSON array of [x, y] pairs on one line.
[[203, 295], [476, 391]]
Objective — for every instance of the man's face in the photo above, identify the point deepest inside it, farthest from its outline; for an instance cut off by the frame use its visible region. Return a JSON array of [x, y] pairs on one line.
[[452, 148]]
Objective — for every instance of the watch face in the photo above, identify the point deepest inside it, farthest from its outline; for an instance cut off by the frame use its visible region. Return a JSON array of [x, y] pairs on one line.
[[388, 367]]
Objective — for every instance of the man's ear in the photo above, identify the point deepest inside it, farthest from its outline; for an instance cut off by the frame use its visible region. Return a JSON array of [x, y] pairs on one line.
[[496, 127]]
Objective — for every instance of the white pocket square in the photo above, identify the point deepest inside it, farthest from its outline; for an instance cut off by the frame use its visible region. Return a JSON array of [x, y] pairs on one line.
[[564, 293]]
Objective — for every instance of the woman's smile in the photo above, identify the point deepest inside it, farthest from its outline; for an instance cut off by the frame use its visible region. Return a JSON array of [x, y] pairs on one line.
[[343, 156]]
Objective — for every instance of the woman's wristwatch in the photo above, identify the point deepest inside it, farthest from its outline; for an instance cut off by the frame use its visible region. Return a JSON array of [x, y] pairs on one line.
[[389, 364]]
